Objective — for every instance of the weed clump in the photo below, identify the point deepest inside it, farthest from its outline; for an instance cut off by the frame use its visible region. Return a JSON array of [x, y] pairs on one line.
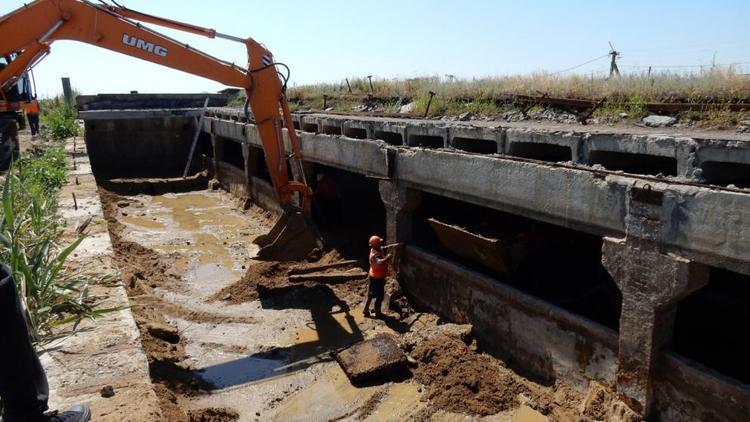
[[30, 231], [60, 120]]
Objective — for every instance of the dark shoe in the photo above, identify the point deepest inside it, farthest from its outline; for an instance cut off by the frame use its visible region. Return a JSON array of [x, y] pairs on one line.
[[77, 413]]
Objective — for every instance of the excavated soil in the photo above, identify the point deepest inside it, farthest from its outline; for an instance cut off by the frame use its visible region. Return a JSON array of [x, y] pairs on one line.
[[213, 414], [451, 376], [462, 381], [265, 279]]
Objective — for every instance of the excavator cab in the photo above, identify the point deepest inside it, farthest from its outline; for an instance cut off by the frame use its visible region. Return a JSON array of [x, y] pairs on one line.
[[12, 100]]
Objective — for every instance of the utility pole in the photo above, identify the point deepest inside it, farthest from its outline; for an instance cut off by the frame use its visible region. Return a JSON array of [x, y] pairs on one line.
[[613, 70], [67, 90]]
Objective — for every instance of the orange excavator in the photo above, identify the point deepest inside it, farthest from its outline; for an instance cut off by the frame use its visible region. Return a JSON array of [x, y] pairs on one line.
[[27, 34]]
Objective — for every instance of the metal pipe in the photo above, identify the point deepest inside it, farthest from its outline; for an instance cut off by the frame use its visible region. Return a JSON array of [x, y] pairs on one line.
[[51, 31], [195, 138], [230, 37]]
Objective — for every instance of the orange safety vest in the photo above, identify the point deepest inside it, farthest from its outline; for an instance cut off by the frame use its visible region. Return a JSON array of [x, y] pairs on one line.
[[378, 266], [32, 107]]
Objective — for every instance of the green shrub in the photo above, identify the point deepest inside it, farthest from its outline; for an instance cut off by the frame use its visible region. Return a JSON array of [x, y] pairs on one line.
[[29, 233], [43, 170], [60, 119]]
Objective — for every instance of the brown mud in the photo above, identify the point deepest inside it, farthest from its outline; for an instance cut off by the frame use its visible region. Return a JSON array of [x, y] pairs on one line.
[[264, 279], [142, 270], [459, 380], [213, 414], [450, 376]]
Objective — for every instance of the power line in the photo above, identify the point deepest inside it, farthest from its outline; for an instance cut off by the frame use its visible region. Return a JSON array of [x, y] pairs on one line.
[[709, 47], [687, 65], [580, 65]]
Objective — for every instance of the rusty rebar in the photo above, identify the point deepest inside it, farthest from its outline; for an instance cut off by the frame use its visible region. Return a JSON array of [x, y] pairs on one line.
[[429, 103]]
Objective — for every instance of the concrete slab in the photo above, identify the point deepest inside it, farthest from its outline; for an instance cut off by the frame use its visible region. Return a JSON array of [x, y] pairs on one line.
[[372, 359]]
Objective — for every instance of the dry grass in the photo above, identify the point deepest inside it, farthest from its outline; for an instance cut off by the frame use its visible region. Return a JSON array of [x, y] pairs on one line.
[[628, 93]]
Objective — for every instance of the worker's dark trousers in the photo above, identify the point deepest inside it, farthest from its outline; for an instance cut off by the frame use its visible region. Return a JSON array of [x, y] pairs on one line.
[[23, 384], [33, 119]]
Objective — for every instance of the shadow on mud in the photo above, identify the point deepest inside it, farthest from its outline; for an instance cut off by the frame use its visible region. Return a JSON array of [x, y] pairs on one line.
[[323, 305]]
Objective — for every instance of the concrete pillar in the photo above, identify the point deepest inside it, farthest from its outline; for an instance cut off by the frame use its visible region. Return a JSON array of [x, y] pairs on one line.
[[400, 203], [651, 282], [247, 167], [218, 146]]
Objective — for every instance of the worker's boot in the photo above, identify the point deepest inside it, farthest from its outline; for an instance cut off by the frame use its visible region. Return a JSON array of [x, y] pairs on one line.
[[77, 413]]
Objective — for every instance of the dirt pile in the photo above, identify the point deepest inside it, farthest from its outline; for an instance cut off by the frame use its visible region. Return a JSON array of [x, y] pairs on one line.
[[213, 414], [268, 278], [601, 404], [259, 275], [462, 381]]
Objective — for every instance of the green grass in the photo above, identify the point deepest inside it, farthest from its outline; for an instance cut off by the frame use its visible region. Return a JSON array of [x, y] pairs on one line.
[[30, 231], [627, 94]]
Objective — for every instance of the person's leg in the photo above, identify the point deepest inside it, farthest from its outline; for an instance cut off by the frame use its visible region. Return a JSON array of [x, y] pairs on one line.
[[367, 305], [35, 125], [369, 296], [23, 384], [379, 294]]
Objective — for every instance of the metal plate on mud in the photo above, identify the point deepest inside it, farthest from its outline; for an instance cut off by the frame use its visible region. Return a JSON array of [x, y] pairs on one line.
[[492, 253], [371, 359]]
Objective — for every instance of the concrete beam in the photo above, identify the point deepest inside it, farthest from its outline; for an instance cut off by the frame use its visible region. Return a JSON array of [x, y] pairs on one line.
[[557, 195], [543, 145], [98, 115], [477, 139], [700, 223]]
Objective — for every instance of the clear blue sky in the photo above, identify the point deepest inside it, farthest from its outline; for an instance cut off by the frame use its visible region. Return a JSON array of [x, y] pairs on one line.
[[326, 41]]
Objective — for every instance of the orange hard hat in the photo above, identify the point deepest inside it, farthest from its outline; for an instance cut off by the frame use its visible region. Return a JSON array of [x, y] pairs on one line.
[[375, 241]]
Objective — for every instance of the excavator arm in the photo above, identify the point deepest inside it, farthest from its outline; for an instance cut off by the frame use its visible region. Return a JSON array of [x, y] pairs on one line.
[[31, 29]]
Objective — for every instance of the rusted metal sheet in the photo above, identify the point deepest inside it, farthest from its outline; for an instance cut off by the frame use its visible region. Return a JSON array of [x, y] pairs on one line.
[[492, 253]]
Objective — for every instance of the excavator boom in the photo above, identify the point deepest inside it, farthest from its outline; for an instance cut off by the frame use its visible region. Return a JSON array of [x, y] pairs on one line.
[[31, 30]]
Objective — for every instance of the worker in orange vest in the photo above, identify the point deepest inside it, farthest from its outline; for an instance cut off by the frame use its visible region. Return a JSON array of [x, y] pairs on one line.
[[32, 115], [378, 273]]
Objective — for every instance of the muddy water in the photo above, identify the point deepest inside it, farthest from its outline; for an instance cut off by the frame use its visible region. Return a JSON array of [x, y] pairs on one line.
[[278, 365], [267, 361]]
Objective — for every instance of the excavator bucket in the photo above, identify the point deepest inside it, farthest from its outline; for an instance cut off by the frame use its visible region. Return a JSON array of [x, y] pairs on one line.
[[292, 238]]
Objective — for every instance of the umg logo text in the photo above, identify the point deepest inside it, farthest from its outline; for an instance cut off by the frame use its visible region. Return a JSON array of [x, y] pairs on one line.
[[144, 45]]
